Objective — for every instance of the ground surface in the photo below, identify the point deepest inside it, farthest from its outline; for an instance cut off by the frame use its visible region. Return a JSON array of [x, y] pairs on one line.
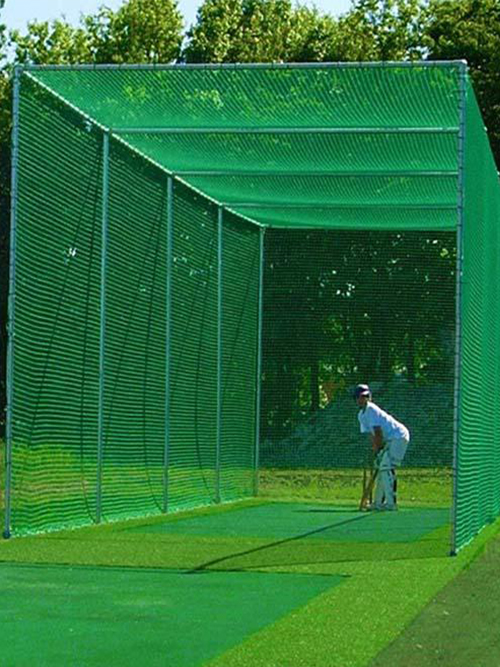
[[460, 627], [257, 584]]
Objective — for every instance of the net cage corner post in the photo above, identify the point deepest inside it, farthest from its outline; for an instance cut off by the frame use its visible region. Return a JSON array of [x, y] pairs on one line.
[[220, 307], [102, 321], [168, 338], [462, 91], [16, 92], [258, 392]]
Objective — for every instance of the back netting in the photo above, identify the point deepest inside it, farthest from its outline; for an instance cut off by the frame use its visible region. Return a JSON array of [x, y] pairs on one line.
[[343, 307]]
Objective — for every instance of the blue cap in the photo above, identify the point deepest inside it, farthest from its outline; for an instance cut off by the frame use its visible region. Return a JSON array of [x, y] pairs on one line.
[[362, 390]]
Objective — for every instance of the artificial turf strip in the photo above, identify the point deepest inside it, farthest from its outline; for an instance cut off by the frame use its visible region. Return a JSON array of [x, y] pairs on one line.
[[349, 626], [280, 521], [57, 617], [290, 535], [344, 629], [460, 626]]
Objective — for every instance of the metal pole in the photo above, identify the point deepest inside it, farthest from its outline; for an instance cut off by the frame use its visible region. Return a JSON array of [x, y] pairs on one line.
[[285, 130], [259, 360], [314, 174], [458, 298], [168, 336], [220, 275], [340, 207], [12, 301], [102, 332], [416, 64]]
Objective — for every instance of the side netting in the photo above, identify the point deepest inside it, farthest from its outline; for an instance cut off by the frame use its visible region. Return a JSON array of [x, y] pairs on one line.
[[478, 477], [134, 355], [133, 392], [343, 307], [55, 346]]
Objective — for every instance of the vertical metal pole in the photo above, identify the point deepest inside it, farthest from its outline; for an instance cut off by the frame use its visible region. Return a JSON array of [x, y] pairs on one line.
[[220, 274], [168, 335], [458, 297], [102, 333], [12, 299], [259, 361]]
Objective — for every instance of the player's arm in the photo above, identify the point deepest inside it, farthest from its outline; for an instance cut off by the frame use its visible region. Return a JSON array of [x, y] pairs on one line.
[[377, 439]]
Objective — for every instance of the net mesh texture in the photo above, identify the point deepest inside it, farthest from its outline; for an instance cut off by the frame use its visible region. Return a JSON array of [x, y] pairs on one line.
[[356, 171]]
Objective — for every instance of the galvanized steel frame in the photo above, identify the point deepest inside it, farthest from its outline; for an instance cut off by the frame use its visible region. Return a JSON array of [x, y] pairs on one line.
[[115, 132], [102, 322], [458, 299], [12, 300]]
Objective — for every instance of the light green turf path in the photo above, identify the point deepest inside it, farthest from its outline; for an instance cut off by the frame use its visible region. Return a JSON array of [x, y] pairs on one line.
[[87, 617], [385, 583], [281, 521], [350, 625]]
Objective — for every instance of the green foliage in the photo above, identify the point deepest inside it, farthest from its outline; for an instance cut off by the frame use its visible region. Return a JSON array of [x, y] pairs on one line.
[[273, 30], [470, 29], [55, 43], [258, 31], [381, 30], [141, 31], [2, 35]]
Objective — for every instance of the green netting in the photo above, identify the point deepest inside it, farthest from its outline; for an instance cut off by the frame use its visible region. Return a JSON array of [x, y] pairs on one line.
[[192, 428], [352, 217], [134, 337], [345, 305], [163, 354], [302, 153], [236, 127], [478, 464], [56, 347], [421, 96], [240, 294], [93, 434]]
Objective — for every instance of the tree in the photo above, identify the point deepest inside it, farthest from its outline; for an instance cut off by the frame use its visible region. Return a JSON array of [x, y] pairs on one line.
[[257, 31], [470, 29], [141, 31], [274, 31], [380, 30], [51, 43]]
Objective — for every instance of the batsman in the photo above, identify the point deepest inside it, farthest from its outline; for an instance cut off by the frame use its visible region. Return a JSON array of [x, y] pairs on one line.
[[390, 440]]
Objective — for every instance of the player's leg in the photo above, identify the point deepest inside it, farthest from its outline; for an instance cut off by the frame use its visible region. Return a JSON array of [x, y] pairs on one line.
[[384, 493], [395, 486], [397, 450]]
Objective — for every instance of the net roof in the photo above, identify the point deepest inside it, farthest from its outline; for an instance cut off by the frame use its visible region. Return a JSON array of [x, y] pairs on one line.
[[334, 146]]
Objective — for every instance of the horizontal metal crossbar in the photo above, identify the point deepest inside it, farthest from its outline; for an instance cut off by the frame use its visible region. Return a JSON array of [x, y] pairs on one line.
[[271, 66], [316, 174], [354, 207], [285, 130]]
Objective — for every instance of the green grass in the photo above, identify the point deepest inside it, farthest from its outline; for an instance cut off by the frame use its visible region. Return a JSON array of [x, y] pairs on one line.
[[386, 583], [416, 486], [460, 626], [349, 626]]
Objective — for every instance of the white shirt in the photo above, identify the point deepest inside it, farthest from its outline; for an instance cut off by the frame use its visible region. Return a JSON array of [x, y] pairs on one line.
[[373, 416]]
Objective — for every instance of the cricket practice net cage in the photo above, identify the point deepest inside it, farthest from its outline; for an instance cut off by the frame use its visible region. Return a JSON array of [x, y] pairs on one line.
[[206, 259]]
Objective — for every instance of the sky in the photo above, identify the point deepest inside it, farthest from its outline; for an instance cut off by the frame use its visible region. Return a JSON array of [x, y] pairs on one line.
[[17, 13]]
